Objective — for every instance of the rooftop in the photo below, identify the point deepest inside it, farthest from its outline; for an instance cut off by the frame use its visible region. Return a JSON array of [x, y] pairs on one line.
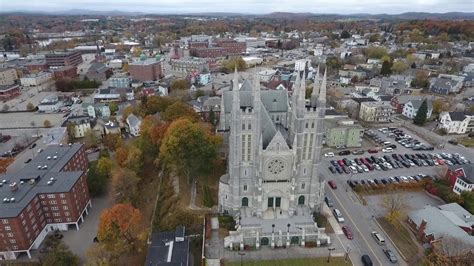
[[30, 180], [168, 248]]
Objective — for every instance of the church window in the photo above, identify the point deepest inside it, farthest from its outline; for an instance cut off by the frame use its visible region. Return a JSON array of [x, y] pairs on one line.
[[245, 187], [243, 126], [277, 118], [243, 147], [245, 172], [303, 185], [249, 147], [249, 126], [312, 125], [310, 147], [304, 171], [306, 125], [305, 146]]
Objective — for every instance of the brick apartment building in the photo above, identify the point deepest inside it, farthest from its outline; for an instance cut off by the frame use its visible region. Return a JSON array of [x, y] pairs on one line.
[[146, 69], [73, 58], [9, 91], [48, 194], [65, 72], [221, 48], [8, 76]]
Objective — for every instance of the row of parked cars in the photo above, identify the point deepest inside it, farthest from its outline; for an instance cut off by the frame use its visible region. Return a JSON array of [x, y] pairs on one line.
[[406, 140], [395, 161], [387, 180]]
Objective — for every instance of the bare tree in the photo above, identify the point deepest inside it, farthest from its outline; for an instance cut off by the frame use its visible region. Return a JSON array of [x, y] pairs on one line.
[[394, 204], [456, 249]]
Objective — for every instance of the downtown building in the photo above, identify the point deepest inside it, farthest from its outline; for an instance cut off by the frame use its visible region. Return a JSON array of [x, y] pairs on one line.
[[273, 184], [147, 69], [60, 59], [221, 48], [49, 194]]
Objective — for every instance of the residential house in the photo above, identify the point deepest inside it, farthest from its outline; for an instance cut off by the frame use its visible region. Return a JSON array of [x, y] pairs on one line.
[[50, 103], [112, 127], [341, 132], [461, 177], [376, 112], [99, 72], [204, 104], [445, 84], [456, 122], [119, 81], [96, 110], [134, 124], [79, 125], [398, 102], [169, 248], [410, 109], [449, 220], [114, 95]]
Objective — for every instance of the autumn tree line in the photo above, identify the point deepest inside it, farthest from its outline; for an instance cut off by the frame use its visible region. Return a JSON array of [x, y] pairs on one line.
[[174, 143]]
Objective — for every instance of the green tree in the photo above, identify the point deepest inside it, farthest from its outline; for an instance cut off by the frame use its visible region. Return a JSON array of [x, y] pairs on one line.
[[90, 139], [399, 67], [96, 181], [30, 107], [104, 166], [230, 65], [420, 117], [47, 123], [5, 108], [386, 68], [113, 141], [420, 80], [113, 107], [59, 256], [71, 129], [189, 148], [212, 118], [375, 52], [345, 34], [374, 37], [179, 84], [179, 110], [438, 105], [333, 63]]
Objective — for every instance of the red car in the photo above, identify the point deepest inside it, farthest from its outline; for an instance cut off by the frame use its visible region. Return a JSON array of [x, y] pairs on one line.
[[347, 232], [373, 151], [332, 184]]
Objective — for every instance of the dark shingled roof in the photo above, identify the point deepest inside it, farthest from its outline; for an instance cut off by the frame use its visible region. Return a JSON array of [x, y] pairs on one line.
[[160, 246]]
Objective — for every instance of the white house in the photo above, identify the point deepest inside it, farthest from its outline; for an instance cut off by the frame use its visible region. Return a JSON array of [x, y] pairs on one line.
[[463, 177], [456, 122], [410, 109], [134, 124], [81, 124]]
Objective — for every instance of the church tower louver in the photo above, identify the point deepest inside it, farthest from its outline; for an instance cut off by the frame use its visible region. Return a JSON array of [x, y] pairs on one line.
[[274, 159]]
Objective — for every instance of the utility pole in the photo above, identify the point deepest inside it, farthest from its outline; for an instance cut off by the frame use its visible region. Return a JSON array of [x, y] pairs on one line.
[[329, 256], [241, 257]]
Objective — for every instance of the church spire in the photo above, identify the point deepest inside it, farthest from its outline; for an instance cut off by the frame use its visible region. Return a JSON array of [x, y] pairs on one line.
[[235, 80], [315, 92], [295, 88], [256, 88], [322, 90], [301, 101]]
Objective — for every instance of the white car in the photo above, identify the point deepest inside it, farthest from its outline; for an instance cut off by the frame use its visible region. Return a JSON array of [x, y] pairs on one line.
[[329, 155], [387, 150]]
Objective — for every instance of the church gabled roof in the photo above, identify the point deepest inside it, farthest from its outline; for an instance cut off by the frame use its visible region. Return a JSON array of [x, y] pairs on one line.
[[267, 126], [273, 100], [246, 86], [278, 142]]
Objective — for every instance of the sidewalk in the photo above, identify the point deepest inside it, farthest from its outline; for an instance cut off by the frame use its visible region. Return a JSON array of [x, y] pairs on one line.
[[332, 221]]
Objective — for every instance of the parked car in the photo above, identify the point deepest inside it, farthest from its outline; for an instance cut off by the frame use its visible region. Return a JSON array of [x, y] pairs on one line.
[[347, 231], [332, 169], [366, 260], [329, 155], [387, 150], [27, 161], [338, 215], [332, 184], [346, 152], [328, 201], [390, 255], [33, 146]]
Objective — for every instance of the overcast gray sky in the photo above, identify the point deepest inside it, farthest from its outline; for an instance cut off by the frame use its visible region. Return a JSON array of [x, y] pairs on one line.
[[245, 6]]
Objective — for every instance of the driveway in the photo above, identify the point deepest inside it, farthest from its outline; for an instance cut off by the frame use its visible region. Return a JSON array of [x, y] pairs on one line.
[[79, 241]]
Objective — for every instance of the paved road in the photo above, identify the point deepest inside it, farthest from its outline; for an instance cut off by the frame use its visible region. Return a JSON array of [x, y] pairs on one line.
[[360, 218]]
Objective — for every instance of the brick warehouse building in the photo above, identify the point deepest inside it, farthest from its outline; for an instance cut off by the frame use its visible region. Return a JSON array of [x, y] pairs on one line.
[[221, 48], [64, 59], [48, 194], [146, 69]]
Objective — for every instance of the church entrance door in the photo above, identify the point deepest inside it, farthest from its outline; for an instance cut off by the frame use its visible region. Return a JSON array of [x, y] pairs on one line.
[[301, 200], [274, 202]]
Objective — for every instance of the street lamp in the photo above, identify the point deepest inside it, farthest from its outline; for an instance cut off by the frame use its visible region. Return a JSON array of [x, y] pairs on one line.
[[329, 256], [347, 253], [241, 256]]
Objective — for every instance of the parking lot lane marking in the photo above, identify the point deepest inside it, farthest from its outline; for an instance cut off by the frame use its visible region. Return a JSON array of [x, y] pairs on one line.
[[357, 228]]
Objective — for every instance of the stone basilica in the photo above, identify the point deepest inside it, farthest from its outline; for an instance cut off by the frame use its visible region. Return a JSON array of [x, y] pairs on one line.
[[272, 186]]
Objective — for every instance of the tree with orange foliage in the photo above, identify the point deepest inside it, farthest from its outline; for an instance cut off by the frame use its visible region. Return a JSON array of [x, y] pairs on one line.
[[180, 110], [121, 155], [121, 229], [4, 163]]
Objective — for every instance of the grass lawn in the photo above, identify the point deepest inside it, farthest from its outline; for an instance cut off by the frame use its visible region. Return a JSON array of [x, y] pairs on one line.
[[401, 238], [468, 142], [335, 261]]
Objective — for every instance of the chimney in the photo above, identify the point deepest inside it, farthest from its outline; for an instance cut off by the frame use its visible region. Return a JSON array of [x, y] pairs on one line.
[[13, 186], [421, 230]]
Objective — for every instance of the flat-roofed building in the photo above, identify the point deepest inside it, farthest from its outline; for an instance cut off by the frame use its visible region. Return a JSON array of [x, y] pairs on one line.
[[8, 76], [73, 58], [48, 194], [146, 69]]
